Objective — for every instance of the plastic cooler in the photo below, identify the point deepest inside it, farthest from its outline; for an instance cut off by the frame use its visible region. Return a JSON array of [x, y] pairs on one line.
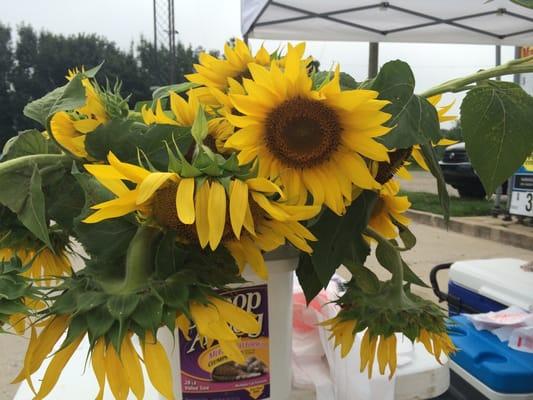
[[489, 285], [487, 367]]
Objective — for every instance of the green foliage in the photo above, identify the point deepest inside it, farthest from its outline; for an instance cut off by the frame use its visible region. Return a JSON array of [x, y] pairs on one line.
[[38, 61], [459, 207], [14, 288], [27, 143], [431, 159], [413, 119], [497, 127], [67, 97], [339, 240]]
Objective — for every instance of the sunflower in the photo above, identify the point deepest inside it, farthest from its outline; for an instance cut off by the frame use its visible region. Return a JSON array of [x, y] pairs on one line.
[[436, 343], [214, 73], [214, 321], [70, 129], [313, 140], [389, 208], [45, 263], [184, 114], [19, 321], [441, 112], [205, 211], [122, 369]]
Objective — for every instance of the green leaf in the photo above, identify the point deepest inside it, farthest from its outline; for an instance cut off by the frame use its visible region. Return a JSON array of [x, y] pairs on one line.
[[408, 239], [77, 327], [199, 126], [99, 322], [430, 156], [89, 300], [308, 278], [149, 312], [65, 200], [413, 119], [387, 257], [341, 237], [27, 143], [67, 97], [122, 306], [365, 279], [22, 193], [124, 138], [9, 307], [175, 294], [169, 257], [11, 288], [163, 91], [498, 130]]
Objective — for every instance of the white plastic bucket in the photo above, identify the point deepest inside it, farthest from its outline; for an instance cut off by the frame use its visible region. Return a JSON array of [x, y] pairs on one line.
[[281, 265]]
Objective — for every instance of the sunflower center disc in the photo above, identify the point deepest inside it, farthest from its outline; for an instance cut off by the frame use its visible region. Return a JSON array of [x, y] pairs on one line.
[[302, 133], [164, 211]]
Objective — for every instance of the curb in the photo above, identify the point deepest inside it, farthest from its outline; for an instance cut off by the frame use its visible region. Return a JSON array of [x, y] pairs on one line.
[[495, 233]]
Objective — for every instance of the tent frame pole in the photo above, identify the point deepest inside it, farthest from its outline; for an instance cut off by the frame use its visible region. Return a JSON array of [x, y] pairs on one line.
[[373, 59]]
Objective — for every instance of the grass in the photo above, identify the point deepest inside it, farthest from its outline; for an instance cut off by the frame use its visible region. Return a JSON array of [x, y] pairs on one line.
[[458, 207]]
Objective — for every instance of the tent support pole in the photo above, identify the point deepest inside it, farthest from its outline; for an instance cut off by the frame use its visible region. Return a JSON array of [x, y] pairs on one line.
[[373, 57]]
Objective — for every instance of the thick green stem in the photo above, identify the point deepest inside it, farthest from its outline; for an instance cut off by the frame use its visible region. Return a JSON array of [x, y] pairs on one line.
[[139, 262], [520, 66], [396, 263], [28, 161]]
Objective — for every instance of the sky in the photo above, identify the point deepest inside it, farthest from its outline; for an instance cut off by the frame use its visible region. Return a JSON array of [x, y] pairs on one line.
[[209, 23]]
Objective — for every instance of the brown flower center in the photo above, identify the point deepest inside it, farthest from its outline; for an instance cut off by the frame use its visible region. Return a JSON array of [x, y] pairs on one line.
[[302, 133]]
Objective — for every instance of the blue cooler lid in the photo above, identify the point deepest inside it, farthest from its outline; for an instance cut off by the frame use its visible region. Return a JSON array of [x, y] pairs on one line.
[[492, 362]]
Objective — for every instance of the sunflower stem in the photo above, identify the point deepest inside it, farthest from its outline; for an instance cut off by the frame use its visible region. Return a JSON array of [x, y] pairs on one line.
[[29, 161], [139, 262], [520, 66], [396, 261]]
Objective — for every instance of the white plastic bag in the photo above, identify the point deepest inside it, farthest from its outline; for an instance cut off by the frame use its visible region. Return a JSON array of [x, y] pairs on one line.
[[521, 339]]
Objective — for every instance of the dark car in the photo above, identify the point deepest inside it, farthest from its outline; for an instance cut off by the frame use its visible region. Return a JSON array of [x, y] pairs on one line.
[[458, 172]]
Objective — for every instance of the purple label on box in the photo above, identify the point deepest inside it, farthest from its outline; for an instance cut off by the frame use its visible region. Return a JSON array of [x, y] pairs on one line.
[[207, 374]]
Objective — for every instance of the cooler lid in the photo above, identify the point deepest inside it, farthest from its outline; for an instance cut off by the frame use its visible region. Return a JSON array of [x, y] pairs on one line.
[[501, 279]]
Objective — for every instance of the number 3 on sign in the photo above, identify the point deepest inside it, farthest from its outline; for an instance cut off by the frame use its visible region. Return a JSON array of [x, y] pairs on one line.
[[522, 203]]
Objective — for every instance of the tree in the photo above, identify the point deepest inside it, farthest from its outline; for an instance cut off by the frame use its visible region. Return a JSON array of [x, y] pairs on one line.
[[6, 63]]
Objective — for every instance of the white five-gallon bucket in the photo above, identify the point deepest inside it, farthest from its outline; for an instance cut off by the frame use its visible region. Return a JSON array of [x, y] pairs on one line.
[[201, 373]]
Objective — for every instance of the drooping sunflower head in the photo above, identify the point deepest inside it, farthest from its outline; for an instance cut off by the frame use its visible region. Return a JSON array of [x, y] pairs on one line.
[[213, 72], [316, 141], [388, 211], [381, 314], [246, 215], [42, 264]]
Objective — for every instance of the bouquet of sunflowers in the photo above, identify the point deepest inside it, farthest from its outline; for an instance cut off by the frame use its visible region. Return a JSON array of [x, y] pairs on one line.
[[116, 223]]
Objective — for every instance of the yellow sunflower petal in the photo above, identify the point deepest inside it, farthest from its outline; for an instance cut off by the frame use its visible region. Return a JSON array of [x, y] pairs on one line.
[[132, 368], [151, 183], [158, 366], [216, 213], [202, 219], [56, 366], [185, 201], [98, 364], [116, 375], [238, 205]]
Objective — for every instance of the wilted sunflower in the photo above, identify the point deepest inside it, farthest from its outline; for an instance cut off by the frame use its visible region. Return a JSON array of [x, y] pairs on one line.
[[313, 140], [122, 371], [213, 72], [184, 114], [206, 212], [70, 129], [46, 264], [215, 320], [389, 208], [441, 111]]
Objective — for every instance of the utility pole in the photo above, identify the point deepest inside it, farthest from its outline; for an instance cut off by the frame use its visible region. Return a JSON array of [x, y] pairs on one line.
[[373, 59], [165, 38]]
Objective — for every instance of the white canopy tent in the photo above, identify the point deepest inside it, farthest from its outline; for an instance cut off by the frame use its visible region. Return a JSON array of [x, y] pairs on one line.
[[497, 22]]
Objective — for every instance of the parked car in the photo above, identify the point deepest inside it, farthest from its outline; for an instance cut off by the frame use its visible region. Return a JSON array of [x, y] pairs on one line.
[[458, 172]]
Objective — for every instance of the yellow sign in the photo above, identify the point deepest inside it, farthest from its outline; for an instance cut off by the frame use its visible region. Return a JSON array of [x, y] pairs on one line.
[[528, 164]]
